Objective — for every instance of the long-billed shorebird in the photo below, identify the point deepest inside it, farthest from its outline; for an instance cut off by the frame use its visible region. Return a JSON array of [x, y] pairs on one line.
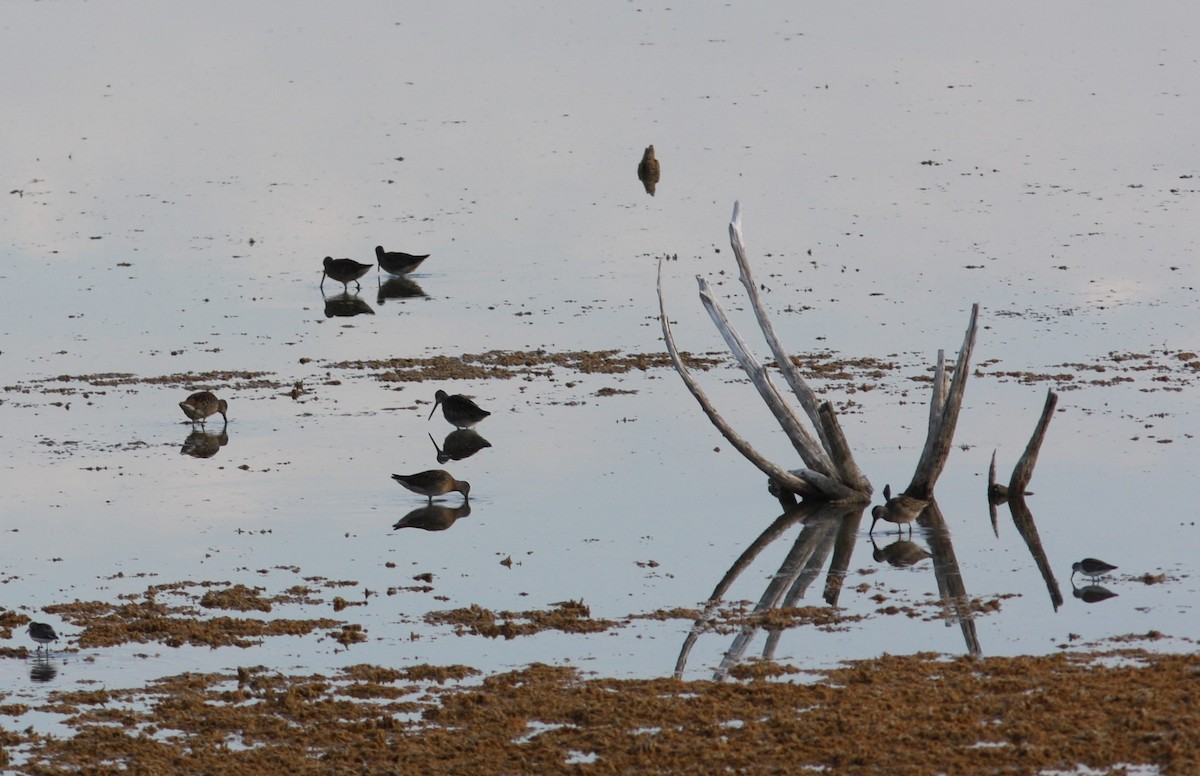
[[901, 510], [397, 262], [202, 404], [344, 271], [1091, 568], [434, 482], [458, 409], [42, 633]]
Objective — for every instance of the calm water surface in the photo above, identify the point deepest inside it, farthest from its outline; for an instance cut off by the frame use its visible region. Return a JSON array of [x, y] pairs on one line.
[[178, 174]]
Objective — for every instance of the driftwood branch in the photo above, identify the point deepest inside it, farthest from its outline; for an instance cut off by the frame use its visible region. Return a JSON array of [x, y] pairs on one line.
[[825, 423], [944, 408], [805, 484]]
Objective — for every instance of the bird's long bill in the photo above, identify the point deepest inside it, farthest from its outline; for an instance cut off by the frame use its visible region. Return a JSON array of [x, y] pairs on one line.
[[874, 520], [435, 406]]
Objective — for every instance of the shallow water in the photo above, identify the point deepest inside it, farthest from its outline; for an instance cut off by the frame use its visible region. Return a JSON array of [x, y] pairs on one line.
[[158, 142]]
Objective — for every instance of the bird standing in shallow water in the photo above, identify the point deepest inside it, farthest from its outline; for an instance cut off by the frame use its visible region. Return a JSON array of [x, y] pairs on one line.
[[1091, 568], [434, 482], [458, 409], [648, 170], [344, 271], [900, 510], [397, 262], [42, 633], [200, 405]]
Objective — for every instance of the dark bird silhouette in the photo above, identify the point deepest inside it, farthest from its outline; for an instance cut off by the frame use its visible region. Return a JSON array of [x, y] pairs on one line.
[[397, 262], [434, 482], [458, 409], [42, 633], [344, 271], [1091, 568]]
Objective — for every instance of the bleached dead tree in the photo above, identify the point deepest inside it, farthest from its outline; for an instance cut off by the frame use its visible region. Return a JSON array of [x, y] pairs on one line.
[[830, 472]]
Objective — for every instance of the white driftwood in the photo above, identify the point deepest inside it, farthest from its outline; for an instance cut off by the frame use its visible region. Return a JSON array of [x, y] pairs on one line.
[[810, 450], [943, 419], [803, 483], [825, 423]]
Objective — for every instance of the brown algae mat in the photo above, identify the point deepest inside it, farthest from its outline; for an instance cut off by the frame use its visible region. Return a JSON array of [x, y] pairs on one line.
[[918, 714]]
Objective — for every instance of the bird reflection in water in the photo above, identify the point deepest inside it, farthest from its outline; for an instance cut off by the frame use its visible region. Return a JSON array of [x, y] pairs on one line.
[[901, 553], [398, 288], [1091, 594], [433, 517], [43, 669], [459, 444], [346, 305], [204, 444]]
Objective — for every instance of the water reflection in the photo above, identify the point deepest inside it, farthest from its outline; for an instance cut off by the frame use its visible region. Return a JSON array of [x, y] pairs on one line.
[[1091, 594], [459, 444], [827, 540], [1023, 520], [346, 305], [901, 553], [204, 444], [398, 288], [42, 669], [433, 517]]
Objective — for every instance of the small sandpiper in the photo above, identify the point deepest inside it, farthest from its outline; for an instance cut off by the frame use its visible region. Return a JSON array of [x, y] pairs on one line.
[[1091, 568], [397, 262], [648, 170], [434, 482], [344, 271], [202, 404], [458, 409], [42, 633], [901, 510]]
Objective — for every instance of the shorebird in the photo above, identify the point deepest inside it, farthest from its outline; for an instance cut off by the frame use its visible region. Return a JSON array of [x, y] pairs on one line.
[[648, 170], [200, 405], [900, 510], [458, 409], [1091, 568], [42, 634], [344, 271], [397, 262], [434, 482]]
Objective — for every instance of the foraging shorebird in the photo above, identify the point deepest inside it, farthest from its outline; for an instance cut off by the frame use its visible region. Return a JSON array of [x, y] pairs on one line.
[[344, 271], [435, 482], [901, 510], [458, 409], [42, 633], [397, 262], [648, 170], [1091, 568], [202, 404]]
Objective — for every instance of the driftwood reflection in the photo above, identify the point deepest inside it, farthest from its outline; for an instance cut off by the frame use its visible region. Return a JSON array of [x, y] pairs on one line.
[[826, 541], [956, 604], [204, 444], [1014, 494], [346, 305]]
